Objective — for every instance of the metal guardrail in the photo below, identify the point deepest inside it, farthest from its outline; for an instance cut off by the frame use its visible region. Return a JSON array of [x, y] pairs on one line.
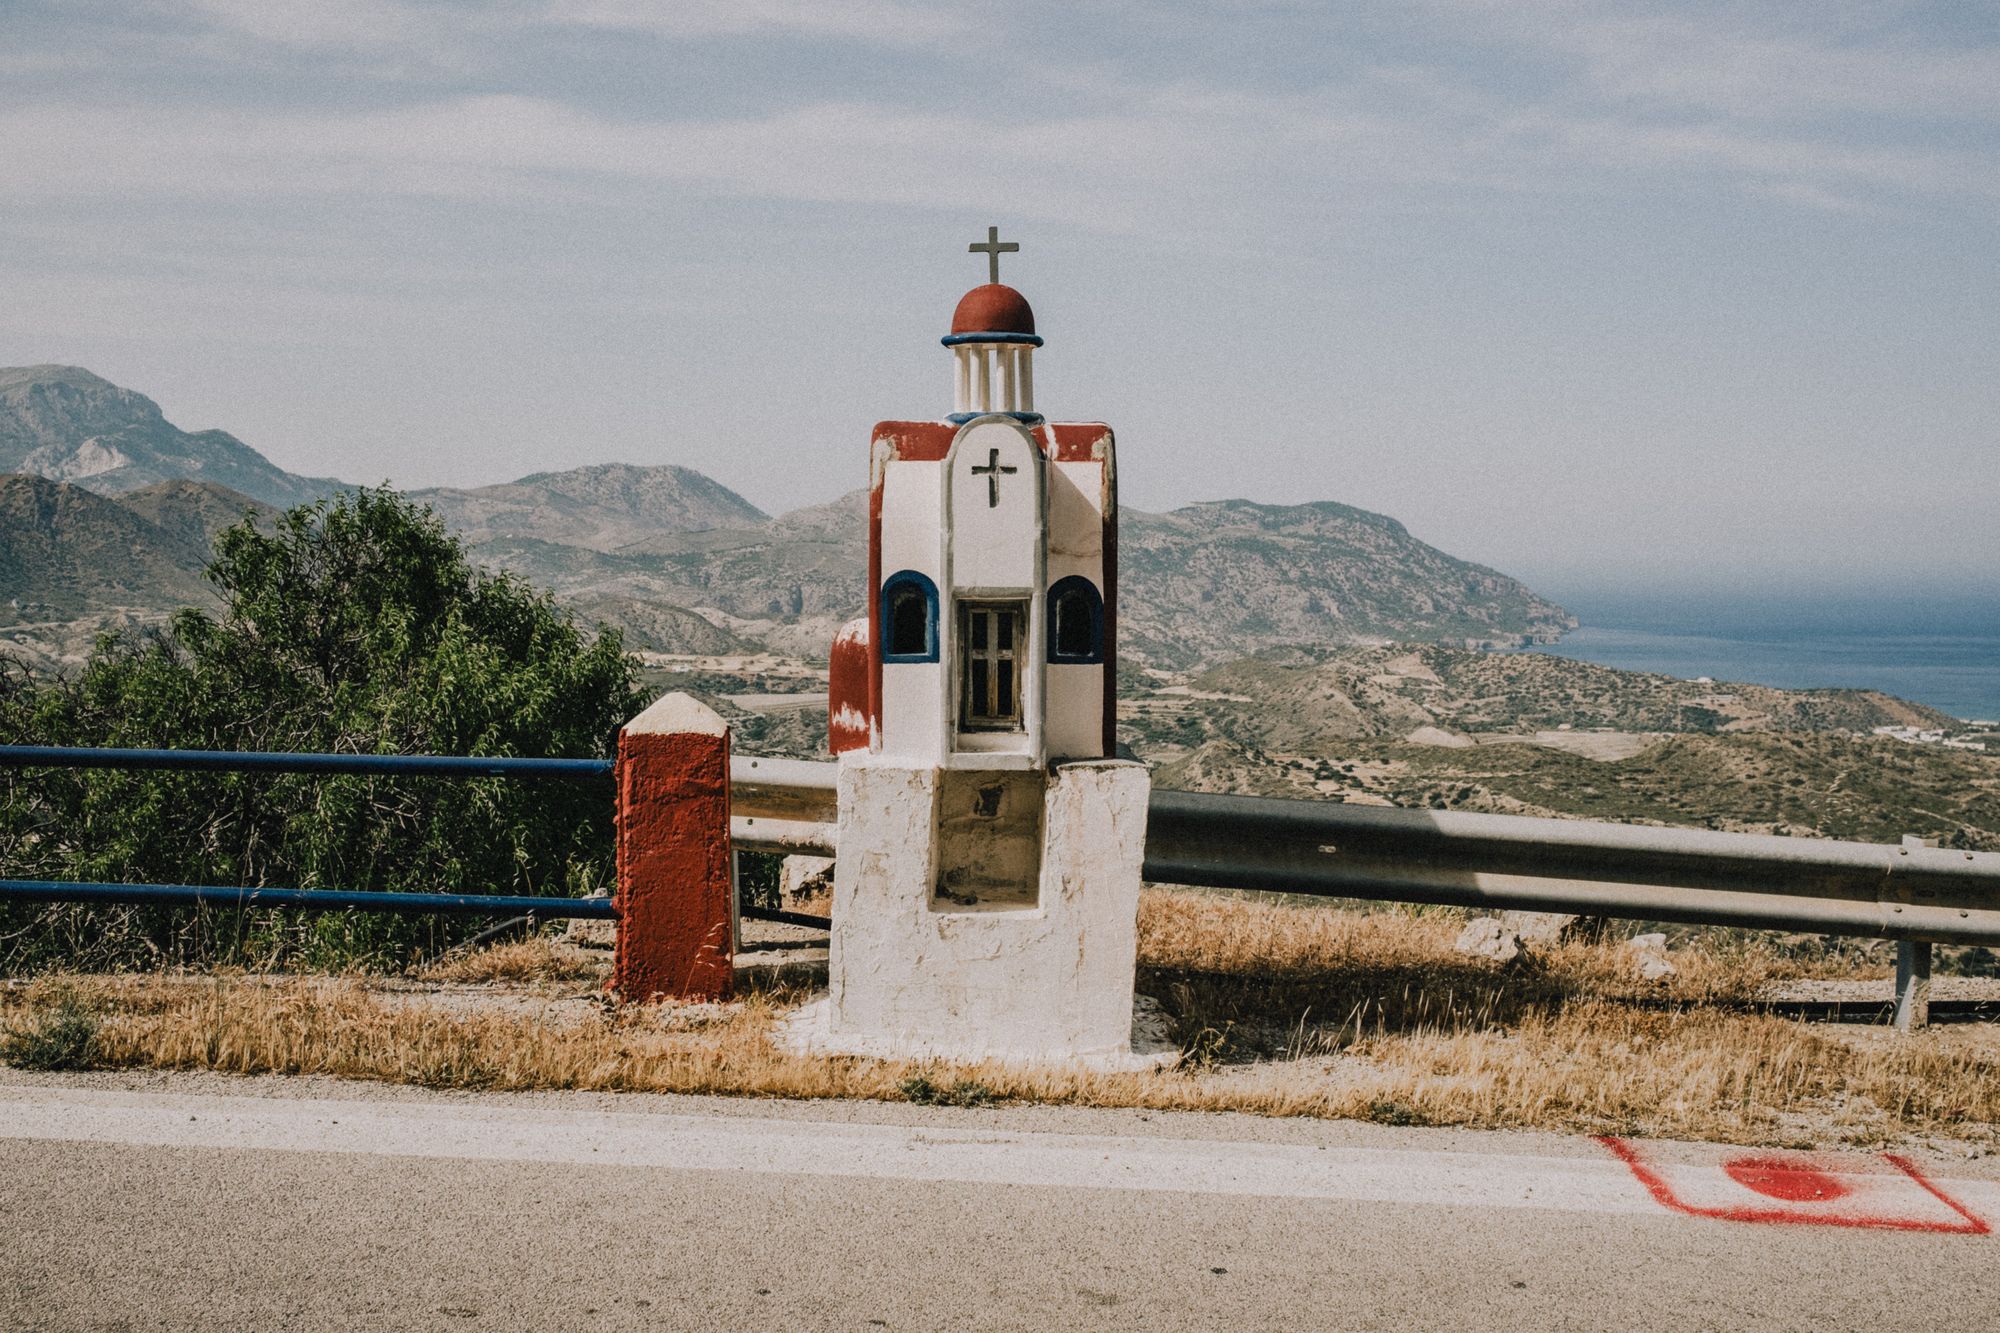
[[784, 806], [1328, 849], [1697, 876], [1503, 862]]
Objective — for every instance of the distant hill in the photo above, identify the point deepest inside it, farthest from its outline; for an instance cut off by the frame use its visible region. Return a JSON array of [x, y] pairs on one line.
[[1534, 734], [1202, 584], [645, 546], [66, 424], [74, 563], [66, 552], [1307, 699], [194, 511], [1223, 579], [601, 507]]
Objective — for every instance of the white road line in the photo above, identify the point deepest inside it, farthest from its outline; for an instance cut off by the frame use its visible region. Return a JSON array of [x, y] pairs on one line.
[[814, 1148]]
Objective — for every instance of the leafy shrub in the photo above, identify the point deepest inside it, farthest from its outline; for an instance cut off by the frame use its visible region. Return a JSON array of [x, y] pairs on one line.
[[355, 625]]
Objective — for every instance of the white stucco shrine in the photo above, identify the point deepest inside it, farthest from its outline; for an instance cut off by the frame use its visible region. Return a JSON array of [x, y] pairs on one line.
[[986, 888]]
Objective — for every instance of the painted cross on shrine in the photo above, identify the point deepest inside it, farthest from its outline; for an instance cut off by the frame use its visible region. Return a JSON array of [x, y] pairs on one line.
[[993, 472], [993, 247]]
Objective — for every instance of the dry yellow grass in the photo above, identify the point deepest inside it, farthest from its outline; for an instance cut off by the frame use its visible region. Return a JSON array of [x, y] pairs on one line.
[[540, 959], [1308, 1012]]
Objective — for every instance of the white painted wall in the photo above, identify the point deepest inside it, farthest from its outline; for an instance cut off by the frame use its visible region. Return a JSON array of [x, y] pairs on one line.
[[914, 697], [994, 547], [1073, 708]]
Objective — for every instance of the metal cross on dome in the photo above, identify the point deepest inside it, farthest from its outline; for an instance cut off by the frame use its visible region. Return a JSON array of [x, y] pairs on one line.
[[994, 248], [993, 472]]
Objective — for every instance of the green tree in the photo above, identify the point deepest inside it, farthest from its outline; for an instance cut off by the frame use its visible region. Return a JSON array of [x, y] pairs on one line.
[[355, 625]]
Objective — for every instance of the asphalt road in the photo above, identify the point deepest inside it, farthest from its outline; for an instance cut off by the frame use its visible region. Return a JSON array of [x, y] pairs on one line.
[[197, 1202]]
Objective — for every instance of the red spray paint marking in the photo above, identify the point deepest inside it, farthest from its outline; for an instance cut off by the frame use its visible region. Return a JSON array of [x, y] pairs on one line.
[[1774, 1176], [1779, 1178]]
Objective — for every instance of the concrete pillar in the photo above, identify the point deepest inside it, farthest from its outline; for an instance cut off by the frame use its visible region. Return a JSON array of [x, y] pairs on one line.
[[1043, 978], [676, 891]]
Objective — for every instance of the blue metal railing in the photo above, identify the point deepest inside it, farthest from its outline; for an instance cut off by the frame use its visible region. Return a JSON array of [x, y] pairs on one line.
[[316, 900], [437, 765]]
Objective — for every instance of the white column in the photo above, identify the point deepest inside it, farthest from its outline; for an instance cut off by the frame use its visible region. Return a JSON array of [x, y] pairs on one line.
[[985, 403], [1027, 355], [1009, 386], [961, 384]]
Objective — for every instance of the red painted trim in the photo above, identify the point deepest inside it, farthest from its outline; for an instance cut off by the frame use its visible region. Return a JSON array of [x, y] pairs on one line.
[[1076, 441], [930, 441], [1664, 1195], [676, 881], [916, 441], [850, 665]]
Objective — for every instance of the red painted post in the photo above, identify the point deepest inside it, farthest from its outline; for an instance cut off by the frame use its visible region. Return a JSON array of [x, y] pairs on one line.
[[676, 869]]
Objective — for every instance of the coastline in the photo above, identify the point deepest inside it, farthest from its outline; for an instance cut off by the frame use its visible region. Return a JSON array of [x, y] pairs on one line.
[[1955, 673]]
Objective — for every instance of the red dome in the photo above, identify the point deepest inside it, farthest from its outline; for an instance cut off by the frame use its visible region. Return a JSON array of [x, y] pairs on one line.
[[993, 308]]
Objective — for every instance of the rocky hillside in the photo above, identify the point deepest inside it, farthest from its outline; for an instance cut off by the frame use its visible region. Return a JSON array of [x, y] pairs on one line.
[[1307, 697], [67, 424], [66, 552], [1529, 733], [1200, 585], [1218, 580], [602, 507]]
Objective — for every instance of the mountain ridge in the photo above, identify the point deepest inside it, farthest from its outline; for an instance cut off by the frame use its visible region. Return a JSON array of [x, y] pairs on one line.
[[68, 424], [644, 545]]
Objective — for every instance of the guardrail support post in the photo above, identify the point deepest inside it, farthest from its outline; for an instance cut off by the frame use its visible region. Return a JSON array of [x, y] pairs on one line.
[[1913, 985], [676, 869]]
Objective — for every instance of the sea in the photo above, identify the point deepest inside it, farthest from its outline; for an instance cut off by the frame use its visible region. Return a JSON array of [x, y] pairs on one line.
[[1938, 649]]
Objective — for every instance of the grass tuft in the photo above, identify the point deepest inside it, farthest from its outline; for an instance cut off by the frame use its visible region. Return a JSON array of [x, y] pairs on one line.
[[540, 959], [61, 1037], [928, 1088]]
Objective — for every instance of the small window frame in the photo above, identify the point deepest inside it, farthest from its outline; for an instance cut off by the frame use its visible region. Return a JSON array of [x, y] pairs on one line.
[[895, 583], [1068, 587], [977, 619]]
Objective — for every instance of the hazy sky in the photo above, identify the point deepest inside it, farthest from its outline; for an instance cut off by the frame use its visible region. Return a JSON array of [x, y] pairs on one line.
[[1604, 295]]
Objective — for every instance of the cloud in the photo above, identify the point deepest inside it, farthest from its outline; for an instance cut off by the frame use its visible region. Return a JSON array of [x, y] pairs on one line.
[[440, 31], [1525, 97], [498, 146], [1771, 60], [887, 22]]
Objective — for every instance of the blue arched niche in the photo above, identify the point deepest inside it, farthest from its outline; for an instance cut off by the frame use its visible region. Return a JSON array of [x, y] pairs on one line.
[[1076, 622], [909, 618]]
